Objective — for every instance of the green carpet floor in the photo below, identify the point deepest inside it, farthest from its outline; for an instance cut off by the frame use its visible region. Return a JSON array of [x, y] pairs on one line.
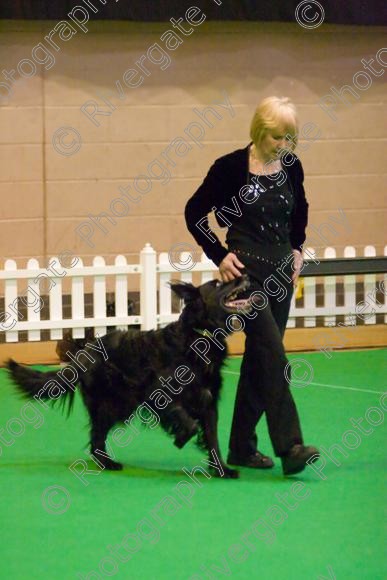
[[326, 524]]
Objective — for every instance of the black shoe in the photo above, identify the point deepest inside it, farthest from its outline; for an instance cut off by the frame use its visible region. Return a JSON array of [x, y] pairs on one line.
[[296, 459], [256, 461]]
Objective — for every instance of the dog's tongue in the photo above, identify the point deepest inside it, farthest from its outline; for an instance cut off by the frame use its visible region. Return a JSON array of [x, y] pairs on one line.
[[239, 303]]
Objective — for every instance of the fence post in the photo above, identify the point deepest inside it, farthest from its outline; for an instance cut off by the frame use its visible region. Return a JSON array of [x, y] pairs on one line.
[[369, 286], [33, 310], [99, 296], [206, 276], [350, 291], [165, 293], [78, 299], [310, 295], [56, 304], [148, 288], [330, 290], [10, 299], [121, 291]]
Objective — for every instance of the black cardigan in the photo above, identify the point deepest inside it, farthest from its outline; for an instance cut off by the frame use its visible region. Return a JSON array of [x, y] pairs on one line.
[[222, 186]]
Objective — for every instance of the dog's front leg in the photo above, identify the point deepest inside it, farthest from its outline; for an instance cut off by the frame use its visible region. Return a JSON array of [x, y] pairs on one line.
[[210, 431], [177, 422], [100, 427]]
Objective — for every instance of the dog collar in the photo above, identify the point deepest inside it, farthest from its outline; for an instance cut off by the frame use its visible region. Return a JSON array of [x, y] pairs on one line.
[[203, 332]]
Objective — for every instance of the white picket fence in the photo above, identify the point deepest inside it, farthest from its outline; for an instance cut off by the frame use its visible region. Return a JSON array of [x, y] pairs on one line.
[[154, 275]]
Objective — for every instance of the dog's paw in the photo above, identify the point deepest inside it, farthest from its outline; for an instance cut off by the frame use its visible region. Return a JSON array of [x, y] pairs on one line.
[[228, 473], [185, 435], [112, 465]]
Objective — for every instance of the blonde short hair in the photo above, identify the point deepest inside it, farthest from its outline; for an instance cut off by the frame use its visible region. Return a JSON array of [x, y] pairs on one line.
[[272, 113]]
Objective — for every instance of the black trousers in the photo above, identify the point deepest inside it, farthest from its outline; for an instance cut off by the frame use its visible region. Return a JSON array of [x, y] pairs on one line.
[[263, 386]]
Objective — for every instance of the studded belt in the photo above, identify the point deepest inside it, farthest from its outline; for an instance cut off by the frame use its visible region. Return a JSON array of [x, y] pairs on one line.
[[259, 258]]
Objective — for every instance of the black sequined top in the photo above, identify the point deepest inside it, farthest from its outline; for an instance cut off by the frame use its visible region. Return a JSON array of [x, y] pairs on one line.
[[223, 188], [265, 218], [264, 226]]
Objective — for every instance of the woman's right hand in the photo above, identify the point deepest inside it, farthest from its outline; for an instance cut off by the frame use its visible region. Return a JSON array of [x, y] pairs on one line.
[[228, 268]]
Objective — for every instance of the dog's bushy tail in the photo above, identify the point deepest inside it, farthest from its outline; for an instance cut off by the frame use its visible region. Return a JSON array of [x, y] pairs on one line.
[[34, 384]]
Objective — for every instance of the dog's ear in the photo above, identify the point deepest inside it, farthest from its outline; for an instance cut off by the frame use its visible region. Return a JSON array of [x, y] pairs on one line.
[[184, 290]]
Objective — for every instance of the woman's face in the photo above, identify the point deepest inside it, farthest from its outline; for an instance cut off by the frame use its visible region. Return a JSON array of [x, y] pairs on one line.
[[272, 143]]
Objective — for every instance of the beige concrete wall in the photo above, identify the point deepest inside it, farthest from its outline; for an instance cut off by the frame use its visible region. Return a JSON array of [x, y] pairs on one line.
[[45, 196]]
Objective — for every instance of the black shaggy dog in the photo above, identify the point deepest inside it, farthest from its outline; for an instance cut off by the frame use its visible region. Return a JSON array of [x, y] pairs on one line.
[[137, 368]]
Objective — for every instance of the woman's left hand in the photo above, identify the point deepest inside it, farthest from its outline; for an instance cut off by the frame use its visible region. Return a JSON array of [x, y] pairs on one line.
[[297, 266]]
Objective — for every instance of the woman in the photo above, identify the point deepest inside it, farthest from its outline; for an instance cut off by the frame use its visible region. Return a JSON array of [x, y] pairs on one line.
[[258, 193]]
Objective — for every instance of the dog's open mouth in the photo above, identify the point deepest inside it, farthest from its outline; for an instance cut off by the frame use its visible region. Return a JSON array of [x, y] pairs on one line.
[[235, 299]]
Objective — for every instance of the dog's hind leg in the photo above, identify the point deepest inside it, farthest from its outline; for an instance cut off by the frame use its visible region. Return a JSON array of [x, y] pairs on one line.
[[100, 427], [209, 424]]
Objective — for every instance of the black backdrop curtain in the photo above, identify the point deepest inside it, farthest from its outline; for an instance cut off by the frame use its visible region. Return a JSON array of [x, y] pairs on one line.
[[361, 12]]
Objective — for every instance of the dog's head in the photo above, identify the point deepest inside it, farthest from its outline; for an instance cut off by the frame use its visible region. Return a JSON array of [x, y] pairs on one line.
[[208, 306]]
